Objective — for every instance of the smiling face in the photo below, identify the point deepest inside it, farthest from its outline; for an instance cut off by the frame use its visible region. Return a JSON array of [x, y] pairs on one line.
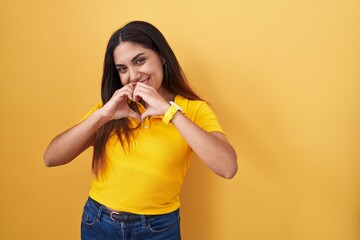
[[135, 63]]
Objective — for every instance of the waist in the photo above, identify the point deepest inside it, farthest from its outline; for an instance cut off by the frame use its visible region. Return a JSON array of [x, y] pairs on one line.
[[120, 216], [147, 195]]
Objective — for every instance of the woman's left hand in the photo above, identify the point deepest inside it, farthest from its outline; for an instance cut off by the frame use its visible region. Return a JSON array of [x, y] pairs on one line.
[[156, 104], [212, 147]]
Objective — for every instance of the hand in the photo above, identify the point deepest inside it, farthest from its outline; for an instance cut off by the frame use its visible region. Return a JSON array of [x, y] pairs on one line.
[[157, 105], [117, 107]]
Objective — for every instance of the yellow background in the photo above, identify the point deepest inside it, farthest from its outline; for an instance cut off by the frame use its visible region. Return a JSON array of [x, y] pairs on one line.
[[283, 77]]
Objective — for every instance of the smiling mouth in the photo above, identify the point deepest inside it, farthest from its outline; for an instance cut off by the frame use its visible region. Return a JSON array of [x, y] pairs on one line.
[[145, 80]]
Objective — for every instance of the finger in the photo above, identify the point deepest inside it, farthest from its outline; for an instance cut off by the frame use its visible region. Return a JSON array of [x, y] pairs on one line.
[[129, 95], [135, 115], [146, 113], [141, 92], [128, 91], [130, 86], [121, 92], [136, 95]]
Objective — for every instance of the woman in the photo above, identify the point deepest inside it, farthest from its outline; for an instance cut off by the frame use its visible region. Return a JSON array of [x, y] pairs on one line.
[[143, 132]]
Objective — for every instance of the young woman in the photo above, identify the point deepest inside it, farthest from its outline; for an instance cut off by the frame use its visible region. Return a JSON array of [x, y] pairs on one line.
[[143, 132]]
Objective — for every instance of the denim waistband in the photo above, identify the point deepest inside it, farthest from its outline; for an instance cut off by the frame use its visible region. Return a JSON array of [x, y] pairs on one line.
[[121, 216]]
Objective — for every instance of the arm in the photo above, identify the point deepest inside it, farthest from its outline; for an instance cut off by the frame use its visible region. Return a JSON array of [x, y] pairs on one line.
[[68, 145], [212, 148]]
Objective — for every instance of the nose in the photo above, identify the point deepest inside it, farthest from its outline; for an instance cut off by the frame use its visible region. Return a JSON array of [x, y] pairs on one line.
[[134, 75]]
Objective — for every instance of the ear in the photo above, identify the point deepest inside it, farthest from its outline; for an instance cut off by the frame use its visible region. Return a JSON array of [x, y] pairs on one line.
[[163, 60]]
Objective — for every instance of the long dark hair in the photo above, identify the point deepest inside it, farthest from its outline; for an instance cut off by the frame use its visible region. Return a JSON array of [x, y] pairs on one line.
[[174, 81]]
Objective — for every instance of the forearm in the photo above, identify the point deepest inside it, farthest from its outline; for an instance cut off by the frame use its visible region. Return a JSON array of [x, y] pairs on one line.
[[212, 148], [68, 145]]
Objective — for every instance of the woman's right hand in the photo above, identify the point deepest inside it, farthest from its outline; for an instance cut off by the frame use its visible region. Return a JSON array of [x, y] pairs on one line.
[[69, 144], [117, 107]]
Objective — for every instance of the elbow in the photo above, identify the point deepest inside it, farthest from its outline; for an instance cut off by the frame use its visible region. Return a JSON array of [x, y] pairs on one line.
[[48, 164], [48, 160], [231, 168], [54, 158], [227, 172], [48, 157], [230, 173]]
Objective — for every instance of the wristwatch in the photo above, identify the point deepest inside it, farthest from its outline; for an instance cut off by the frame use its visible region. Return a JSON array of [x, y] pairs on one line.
[[170, 113]]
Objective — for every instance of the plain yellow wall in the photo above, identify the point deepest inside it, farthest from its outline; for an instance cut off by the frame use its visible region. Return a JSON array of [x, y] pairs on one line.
[[283, 77]]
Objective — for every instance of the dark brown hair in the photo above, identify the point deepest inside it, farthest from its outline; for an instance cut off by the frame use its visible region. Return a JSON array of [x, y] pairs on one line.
[[174, 81]]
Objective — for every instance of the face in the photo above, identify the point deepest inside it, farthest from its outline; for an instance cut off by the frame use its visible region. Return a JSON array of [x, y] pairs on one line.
[[135, 63]]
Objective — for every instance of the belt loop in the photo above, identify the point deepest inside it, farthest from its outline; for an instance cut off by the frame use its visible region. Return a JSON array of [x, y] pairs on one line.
[[143, 221], [100, 212]]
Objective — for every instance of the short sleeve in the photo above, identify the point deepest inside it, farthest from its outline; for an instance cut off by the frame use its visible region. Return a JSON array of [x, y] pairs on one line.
[[91, 111], [205, 118]]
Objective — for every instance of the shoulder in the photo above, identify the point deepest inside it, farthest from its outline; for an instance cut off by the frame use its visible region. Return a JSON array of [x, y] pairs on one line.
[[193, 108], [200, 113], [189, 105], [92, 110], [95, 107]]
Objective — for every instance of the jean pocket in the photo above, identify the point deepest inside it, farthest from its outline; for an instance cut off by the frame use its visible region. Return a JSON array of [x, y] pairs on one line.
[[88, 216], [163, 223]]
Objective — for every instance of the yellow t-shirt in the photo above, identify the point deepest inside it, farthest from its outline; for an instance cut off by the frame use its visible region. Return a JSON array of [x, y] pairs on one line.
[[147, 178]]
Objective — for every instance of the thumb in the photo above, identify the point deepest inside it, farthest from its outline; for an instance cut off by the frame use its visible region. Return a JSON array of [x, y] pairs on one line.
[[145, 114]]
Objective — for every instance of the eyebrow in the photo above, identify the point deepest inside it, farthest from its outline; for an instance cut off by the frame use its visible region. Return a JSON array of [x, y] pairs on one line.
[[132, 60]]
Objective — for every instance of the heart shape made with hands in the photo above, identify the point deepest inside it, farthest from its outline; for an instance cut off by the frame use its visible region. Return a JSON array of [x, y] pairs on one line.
[[156, 105], [118, 106]]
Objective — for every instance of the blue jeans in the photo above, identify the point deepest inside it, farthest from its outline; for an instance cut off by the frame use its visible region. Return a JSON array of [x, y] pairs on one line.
[[99, 224]]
